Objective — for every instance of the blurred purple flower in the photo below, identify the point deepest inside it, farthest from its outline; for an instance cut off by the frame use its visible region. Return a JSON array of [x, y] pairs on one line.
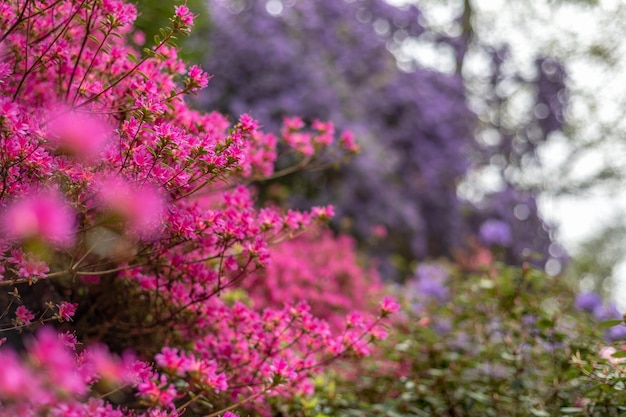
[[588, 301], [442, 326], [430, 282], [497, 371], [606, 312], [615, 333], [495, 232]]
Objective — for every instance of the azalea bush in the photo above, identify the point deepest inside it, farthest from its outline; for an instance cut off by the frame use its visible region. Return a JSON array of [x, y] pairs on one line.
[[129, 231]]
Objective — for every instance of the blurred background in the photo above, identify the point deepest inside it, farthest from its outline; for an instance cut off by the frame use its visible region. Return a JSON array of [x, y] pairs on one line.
[[488, 128]]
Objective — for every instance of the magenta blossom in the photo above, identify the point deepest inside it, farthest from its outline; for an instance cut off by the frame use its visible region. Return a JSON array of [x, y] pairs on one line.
[[23, 316], [184, 14], [66, 311], [138, 207], [42, 216], [80, 136], [389, 306]]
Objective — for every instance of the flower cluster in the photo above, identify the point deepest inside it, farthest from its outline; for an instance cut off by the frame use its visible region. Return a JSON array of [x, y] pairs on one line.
[[55, 377], [130, 218], [321, 269]]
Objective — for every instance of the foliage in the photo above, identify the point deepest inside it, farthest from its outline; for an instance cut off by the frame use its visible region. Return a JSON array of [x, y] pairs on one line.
[[154, 15], [494, 340]]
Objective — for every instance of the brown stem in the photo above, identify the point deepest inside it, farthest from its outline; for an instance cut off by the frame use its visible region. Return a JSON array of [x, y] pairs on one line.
[[240, 403]]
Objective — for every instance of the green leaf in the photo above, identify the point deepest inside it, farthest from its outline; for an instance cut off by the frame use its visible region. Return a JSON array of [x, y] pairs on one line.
[[610, 323], [571, 410], [619, 354], [480, 397]]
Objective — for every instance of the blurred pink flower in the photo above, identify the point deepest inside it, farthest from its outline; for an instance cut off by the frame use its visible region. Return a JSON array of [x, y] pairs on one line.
[[140, 208], [389, 306], [44, 216], [79, 135], [607, 353]]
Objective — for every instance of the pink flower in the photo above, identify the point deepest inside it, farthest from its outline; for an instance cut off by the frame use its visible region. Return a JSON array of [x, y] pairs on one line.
[[43, 216], [346, 140], [121, 13], [23, 316], [172, 361], [389, 306], [354, 319], [159, 392], [68, 340], [282, 369], [607, 353], [32, 268], [248, 124], [139, 38], [198, 79], [293, 123], [16, 380], [139, 208], [66, 311], [79, 135], [58, 363], [323, 213], [183, 13]]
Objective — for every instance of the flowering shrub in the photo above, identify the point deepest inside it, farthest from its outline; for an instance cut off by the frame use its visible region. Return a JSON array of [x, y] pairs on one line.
[[602, 372], [127, 220], [321, 269], [496, 342]]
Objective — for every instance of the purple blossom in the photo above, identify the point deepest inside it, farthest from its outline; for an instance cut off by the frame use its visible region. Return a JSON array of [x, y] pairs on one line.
[[430, 283], [615, 333], [495, 232], [588, 302], [606, 312]]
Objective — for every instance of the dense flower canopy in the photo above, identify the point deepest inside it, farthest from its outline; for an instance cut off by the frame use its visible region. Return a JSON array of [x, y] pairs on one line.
[[128, 218]]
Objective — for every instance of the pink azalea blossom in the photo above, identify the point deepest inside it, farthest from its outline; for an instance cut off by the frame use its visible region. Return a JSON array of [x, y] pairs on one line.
[[389, 306], [43, 216], [198, 78], [23, 316], [139, 207], [184, 14], [66, 310], [79, 135]]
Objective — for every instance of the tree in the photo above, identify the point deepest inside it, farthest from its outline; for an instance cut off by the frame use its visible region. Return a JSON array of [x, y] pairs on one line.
[[347, 61]]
